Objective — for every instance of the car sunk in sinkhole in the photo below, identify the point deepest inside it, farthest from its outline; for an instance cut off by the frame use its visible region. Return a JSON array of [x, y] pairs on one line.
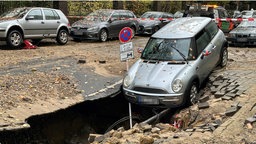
[[175, 62]]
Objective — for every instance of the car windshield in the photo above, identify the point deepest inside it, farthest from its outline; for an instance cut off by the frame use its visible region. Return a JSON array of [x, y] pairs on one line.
[[100, 15], [151, 15], [167, 50], [247, 24], [15, 13]]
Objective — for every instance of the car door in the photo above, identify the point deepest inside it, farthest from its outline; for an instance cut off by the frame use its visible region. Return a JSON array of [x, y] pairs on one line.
[[204, 61], [52, 22], [115, 24], [216, 42], [33, 24]]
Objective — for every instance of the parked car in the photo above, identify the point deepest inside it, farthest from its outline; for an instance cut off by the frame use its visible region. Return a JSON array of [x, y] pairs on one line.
[[248, 14], [34, 23], [175, 62], [152, 21], [243, 34], [103, 24]]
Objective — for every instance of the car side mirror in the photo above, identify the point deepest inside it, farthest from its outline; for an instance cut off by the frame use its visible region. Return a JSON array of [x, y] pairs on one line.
[[30, 17], [140, 50]]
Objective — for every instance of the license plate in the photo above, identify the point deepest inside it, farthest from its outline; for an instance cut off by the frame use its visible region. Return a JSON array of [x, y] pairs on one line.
[[242, 39], [147, 100], [77, 32]]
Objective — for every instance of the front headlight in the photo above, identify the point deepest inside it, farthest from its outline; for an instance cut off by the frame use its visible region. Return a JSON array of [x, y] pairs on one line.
[[127, 81], [93, 28], [177, 85]]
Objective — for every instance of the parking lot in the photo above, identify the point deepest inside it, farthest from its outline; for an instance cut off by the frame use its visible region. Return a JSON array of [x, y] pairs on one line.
[[51, 77]]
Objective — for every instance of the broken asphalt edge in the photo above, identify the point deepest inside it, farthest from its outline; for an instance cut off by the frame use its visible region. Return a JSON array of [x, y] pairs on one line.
[[116, 89]]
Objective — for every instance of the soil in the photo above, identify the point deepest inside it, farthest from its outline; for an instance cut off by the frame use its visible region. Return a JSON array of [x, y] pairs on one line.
[[26, 89]]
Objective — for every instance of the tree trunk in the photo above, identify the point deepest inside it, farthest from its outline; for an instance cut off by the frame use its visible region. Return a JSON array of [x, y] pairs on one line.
[[62, 5], [117, 4], [156, 5]]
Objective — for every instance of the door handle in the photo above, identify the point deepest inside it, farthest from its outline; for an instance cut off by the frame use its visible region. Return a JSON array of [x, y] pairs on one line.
[[58, 21], [42, 22], [213, 47]]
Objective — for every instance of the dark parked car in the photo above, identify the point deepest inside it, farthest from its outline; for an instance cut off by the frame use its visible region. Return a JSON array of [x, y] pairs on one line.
[[33, 23], [152, 21], [175, 62], [243, 34], [103, 24]]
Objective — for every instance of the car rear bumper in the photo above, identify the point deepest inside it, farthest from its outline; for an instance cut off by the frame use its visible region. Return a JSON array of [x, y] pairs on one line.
[[153, 99]]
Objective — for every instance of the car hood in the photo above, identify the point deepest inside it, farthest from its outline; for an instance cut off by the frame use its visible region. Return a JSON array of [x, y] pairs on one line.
[[244, 30], [7, 19], [85, 23], [157, 75]]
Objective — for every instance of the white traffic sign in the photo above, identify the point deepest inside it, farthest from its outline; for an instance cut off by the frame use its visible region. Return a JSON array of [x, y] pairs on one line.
[[126, 51]]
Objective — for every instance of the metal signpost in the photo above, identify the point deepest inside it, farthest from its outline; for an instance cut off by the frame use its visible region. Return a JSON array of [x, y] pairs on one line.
[[126, 52]]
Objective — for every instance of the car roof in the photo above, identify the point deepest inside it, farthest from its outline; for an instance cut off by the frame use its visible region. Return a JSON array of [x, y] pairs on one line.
[[182, 28]]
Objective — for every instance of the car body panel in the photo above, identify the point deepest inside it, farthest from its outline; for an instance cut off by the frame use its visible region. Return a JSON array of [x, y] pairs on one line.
[[244, 33], [151, 19], [34, 28], [111, 20], [149, 81]]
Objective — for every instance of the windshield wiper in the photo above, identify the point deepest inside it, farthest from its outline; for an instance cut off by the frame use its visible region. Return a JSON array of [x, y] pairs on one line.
[[155, 51], [182, 55]]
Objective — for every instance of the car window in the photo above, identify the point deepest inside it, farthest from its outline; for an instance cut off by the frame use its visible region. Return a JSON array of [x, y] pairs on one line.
[[168, 50], [115, 15], [129, 15], [202, 40], [51, 14], [212, 29], [36, 13]]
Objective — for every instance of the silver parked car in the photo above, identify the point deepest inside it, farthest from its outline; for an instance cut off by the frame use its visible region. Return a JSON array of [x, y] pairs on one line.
[[243, 34], [151, 21], [175, 62], [103, 24], [34, 23]]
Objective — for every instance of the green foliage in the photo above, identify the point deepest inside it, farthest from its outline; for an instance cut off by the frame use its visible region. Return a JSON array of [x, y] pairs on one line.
[[8, 5], [138, 7], [82, 8]]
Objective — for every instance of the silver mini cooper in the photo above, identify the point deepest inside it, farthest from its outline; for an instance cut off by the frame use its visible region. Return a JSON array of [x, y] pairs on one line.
[[175, 62]]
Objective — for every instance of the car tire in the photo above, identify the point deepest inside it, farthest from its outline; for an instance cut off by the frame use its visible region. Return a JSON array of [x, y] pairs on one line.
[[191, 94], [155, 29], [103, 35], [62, 37], [14, 39], [224, 57], [133, 31]]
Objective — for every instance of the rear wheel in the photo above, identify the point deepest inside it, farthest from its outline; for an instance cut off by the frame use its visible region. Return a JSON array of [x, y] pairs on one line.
[[155, 29], [103, 35], [224, 57], [14, 39], [62, 37], [133, 32]]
